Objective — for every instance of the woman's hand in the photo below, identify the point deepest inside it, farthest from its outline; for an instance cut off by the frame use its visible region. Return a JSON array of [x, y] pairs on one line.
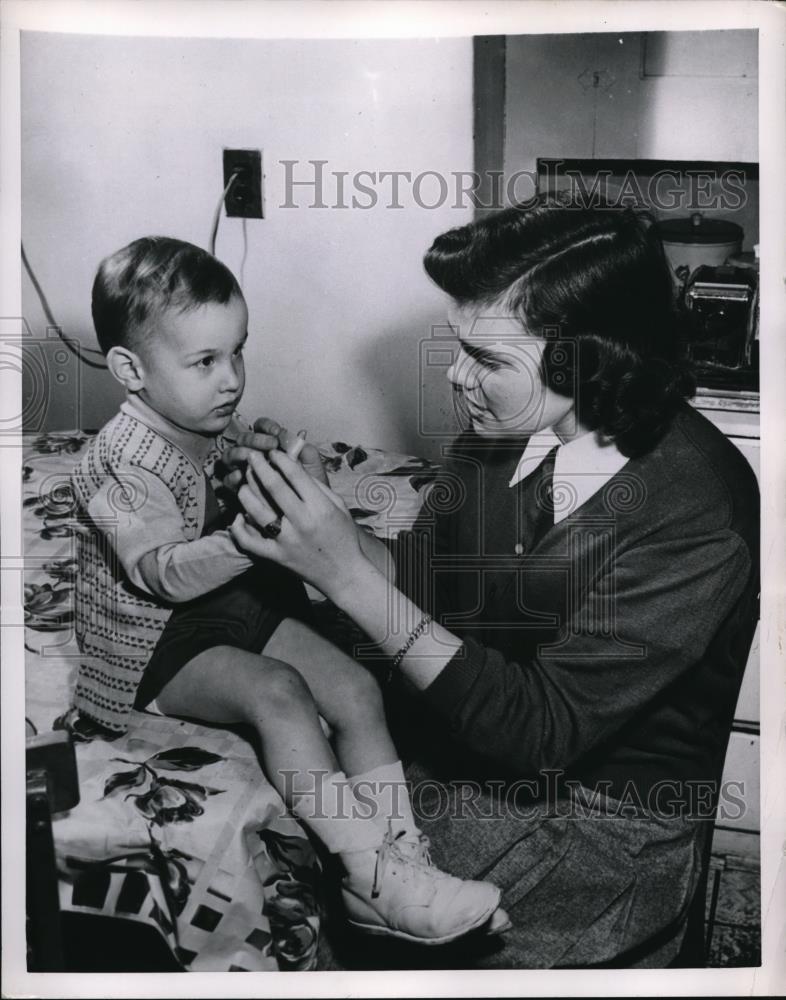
[[318, 539], [269, 436]]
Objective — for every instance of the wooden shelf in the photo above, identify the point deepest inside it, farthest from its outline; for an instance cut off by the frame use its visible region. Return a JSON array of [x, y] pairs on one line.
[[734, 413], [732, 400]]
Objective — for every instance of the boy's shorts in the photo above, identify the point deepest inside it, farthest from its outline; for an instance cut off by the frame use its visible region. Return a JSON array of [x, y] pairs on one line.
[[244, 613]]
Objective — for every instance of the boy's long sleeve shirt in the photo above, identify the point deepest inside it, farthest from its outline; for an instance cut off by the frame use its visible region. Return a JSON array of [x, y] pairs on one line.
[[143, 502], [148, 533]]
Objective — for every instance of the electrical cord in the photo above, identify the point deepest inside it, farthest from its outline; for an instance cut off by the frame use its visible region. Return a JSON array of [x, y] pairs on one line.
[[217, 213], [244, 258], [79, 352]]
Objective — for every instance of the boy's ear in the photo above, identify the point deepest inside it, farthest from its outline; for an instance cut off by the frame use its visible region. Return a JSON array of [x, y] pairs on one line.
[[126, 368]]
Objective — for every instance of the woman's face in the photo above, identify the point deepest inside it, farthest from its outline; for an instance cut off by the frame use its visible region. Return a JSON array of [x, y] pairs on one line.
[[497, 373]]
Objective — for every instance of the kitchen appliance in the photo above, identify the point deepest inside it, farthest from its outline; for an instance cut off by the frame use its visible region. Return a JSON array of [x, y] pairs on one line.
[[721, 332], [694, 241]]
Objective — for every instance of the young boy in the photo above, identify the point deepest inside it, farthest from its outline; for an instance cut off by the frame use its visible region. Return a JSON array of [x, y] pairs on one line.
[[172, 617]]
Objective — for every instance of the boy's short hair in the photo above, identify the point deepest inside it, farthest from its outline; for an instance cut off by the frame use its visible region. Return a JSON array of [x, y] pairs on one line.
[[148, 276], [595, 277]]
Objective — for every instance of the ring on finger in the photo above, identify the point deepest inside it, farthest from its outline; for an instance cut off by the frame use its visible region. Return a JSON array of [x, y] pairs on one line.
[[272, 529]]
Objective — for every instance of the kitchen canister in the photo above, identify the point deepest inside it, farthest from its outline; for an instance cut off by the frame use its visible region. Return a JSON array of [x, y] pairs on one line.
[[693, 241]]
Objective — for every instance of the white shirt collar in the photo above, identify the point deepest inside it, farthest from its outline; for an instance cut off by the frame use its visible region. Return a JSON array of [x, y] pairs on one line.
[[582, 466]]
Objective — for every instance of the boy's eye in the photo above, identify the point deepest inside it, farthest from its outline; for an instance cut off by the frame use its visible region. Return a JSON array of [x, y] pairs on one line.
[[206, 362], [239, 350]]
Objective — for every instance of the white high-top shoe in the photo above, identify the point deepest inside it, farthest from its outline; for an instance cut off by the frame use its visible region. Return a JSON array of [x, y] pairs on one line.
[[397, 891]]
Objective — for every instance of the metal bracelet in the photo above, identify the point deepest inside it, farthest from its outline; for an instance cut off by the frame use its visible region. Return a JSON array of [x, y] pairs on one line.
[[413, 637]]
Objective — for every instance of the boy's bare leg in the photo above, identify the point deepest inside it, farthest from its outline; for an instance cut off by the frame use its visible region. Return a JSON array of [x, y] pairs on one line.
[[346, 694], [349, 698], [226, 685], [229, 685]]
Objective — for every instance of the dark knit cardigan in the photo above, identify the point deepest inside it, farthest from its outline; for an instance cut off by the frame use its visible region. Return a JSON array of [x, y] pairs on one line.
[[614, 650]]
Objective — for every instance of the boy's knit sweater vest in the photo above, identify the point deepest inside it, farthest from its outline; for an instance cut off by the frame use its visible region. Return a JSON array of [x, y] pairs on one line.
[[117, 624]]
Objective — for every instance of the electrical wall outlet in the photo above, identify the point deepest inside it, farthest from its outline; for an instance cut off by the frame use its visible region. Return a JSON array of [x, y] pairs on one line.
[[244, 198]]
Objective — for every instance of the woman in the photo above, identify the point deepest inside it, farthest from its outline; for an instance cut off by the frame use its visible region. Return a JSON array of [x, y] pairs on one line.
[[576, 618]]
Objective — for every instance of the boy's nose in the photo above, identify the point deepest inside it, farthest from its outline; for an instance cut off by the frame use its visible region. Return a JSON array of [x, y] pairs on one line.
[[231, 381]]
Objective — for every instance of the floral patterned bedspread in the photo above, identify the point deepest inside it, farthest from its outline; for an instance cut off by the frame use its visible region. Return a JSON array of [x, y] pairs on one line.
[[177, 827]]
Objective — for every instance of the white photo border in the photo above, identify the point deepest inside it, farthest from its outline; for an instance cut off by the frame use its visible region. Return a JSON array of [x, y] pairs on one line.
[[277, 18]]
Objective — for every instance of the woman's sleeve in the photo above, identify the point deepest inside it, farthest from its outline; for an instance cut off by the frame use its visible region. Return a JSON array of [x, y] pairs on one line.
[[412, 553], [642, 624]]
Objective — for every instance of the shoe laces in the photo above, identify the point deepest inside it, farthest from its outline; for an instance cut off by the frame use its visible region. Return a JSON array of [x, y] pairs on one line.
[[424, 851], [417, 850], [389, 847], [390, 850]]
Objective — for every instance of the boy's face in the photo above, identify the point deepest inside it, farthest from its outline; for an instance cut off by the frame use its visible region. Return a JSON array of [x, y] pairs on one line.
[[497, 373], [192, 365]]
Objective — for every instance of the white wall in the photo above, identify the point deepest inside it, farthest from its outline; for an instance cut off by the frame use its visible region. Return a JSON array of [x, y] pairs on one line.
[[698, 101], [694, 98], [700, 91], [122, 137]]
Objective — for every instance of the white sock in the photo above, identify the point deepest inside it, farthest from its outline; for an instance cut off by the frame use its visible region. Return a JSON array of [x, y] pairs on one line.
[[383, 791], [330, 809]]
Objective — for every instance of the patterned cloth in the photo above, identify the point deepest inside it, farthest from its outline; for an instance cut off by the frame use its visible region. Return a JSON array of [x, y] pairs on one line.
[[177, 828]]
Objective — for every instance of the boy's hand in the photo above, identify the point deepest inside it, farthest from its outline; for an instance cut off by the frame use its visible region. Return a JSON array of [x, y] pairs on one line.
[[267, 436]]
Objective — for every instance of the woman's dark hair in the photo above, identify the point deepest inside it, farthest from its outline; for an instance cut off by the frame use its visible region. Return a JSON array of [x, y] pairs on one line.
[[595, 284], [134, 285]]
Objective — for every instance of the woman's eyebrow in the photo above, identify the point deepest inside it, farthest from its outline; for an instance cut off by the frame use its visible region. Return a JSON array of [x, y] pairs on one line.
[[482, 355]]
